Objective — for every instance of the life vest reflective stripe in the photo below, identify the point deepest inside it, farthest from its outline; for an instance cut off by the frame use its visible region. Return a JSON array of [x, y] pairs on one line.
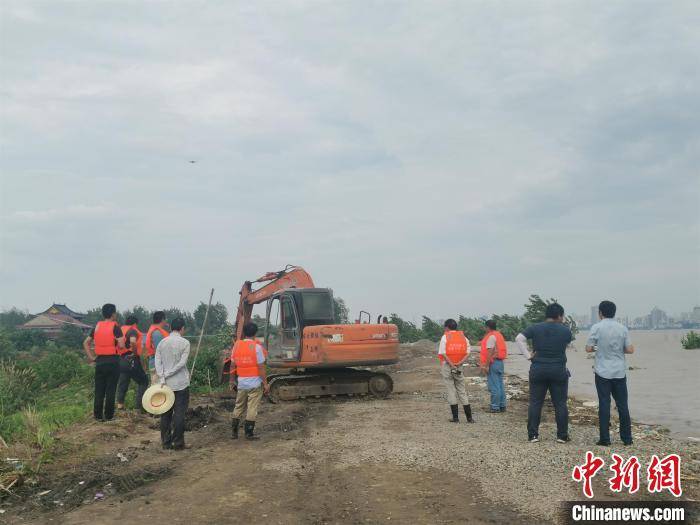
[[139, 339], [149, 338], [244, 358], [456, 345], [501, 346], [105, 342]]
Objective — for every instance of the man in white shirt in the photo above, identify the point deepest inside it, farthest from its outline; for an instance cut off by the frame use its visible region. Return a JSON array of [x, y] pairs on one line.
[[453, 352], [171, 369]]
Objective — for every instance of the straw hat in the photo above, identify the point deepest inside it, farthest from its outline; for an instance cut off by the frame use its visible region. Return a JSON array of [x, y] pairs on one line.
[[158, 399]]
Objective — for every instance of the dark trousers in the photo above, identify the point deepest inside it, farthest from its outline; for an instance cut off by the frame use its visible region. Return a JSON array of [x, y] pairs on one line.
[[552, 377], [618, 389], [106, 378], [130, 368], [172, 423]]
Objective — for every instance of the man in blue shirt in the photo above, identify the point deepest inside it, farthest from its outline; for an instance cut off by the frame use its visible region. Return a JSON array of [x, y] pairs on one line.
[[611, 341], [548, 370]]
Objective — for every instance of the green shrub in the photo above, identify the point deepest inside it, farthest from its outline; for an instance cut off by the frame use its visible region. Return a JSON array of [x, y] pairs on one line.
[[16, 387], [691, 340], [60, 367]]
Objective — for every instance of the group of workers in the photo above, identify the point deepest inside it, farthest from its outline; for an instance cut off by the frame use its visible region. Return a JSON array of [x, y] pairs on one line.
[[122, 354], [609, 340]]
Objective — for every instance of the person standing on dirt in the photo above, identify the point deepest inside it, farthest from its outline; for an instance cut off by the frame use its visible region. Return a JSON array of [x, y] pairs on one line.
[[453, 352], [493, 352], [108, 339], [249, 375], [156, 333], [611, 341], [171, 369], [130, 363], [548, 370]]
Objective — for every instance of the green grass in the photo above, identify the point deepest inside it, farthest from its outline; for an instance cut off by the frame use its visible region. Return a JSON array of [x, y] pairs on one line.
[[54, 409]]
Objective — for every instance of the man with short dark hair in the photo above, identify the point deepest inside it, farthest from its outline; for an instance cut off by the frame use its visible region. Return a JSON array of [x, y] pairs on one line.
[[493, 352], [548, 370], [250, 378], [611, 341], [453, 352], [130, 363], [108, 339], [171, 369], [156, 333]]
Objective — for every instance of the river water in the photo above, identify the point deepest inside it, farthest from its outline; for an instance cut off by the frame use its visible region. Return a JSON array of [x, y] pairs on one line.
[[663, 383]]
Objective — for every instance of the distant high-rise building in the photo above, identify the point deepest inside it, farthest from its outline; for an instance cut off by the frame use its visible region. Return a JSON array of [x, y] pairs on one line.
[[658, 318], [594, 315], [696, 314]]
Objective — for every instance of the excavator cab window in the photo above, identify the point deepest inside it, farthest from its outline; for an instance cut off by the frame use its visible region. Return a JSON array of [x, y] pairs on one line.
[[282, 335]]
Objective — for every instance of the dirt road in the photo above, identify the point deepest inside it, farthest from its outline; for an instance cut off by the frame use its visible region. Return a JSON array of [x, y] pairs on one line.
[[333, 461]]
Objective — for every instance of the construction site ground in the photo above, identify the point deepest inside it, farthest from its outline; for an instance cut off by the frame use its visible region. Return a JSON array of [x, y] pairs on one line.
[[344, 460]]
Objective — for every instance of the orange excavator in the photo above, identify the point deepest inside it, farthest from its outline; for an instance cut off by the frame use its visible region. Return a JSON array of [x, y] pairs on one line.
[[301, 335]]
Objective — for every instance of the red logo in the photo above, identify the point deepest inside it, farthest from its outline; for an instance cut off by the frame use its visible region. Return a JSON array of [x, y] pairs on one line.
[[665, 474], [626, 474], [586, 472]]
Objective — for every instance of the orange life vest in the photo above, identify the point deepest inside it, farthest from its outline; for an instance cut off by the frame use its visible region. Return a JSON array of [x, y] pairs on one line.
[[139, 347], [149, 341], [456, 345], [105, 342], [501, 347], [244, 358]]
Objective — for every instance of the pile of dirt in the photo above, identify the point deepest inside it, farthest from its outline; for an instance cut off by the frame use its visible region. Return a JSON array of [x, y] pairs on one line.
[[200, 416], [91, 481]]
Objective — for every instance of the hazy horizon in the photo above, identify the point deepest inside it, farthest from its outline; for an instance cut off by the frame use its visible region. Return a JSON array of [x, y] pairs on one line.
[[417, 160]]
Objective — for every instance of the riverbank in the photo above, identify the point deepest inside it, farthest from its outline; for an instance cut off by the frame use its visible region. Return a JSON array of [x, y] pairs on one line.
[[353, 460], [661, 379]]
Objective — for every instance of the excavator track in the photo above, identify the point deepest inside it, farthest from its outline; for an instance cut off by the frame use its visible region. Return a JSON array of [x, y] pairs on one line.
[[332, 382]]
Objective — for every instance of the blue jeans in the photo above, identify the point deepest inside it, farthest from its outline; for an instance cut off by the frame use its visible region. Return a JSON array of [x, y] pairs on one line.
[[555, 378], [495, 384], [618, 389]]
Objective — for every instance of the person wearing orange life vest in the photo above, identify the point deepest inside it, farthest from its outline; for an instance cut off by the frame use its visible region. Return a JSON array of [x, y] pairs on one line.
[[108, 339], [453, 352], [130, 366], [493, 352], [156, 333], [249, 376]]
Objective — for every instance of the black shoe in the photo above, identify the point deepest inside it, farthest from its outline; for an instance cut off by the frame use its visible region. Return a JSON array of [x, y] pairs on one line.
[[602, 443], [502, 409], [234, 428], [249, 426], [455, 413], [495, 410], [468, 413], [628, 443], [167, 446]]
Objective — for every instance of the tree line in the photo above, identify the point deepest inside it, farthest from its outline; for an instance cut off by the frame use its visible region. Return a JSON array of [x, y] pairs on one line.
[[474, 328]]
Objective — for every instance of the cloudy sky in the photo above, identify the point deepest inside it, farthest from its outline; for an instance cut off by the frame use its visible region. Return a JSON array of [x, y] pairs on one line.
[[416, 157]]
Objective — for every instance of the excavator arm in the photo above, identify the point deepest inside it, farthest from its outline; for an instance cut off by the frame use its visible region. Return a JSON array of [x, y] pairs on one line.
[[290, 277]]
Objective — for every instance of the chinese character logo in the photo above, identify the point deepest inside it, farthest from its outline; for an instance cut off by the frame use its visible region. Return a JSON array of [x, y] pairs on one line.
[[586, 472], [665, 474], [625, 474]]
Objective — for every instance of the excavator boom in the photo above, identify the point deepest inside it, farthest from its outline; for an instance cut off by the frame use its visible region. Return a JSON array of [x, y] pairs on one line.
[[290, 277]]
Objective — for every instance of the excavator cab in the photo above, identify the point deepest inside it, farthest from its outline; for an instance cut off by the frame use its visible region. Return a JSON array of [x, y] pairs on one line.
[[288, 313]]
